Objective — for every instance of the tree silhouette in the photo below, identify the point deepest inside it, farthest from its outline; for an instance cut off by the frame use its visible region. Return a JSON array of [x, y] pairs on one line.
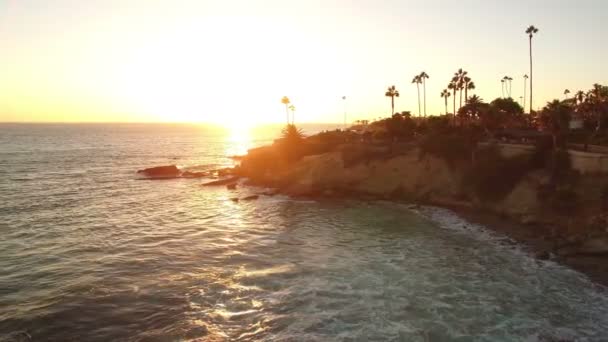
[[285, 101], [555, 117], [566, 92], [417, 79], [470, 86], [531, 31], [445, 94], [460, 83], [424, 76], [454, 87], [392, 92]]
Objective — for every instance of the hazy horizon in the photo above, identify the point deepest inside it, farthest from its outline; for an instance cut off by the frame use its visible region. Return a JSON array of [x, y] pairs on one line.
[[229, 63]]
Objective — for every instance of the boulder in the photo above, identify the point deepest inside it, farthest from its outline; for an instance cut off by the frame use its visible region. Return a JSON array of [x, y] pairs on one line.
[[168, 171], [595, 246]]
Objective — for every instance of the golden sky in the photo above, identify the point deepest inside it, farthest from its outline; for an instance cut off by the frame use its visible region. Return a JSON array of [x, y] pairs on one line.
[[230, 62]]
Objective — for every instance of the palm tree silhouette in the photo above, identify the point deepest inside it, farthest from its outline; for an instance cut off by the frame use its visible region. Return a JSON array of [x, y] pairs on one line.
[[507, 85], [454, 87], [292, 108], [510, 80], [285, 101], [471, 86], [423, 76], [502, 87], [525, 84], [417, 79], [579, 96], [531, 31], [467, 81], [445, 94], [566, 92], [392, 92], [459, 78]]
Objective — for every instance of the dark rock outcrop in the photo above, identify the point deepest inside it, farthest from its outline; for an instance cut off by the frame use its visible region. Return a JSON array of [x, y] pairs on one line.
[[168, 171]]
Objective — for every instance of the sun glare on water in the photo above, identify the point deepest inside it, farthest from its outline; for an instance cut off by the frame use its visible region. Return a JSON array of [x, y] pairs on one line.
[[239, 140]]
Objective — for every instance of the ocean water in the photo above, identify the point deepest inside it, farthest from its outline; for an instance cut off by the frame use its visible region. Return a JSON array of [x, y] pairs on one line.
[[90, 252]]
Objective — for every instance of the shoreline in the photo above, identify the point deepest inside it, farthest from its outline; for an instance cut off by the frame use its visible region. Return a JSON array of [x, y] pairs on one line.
[[534, 239]]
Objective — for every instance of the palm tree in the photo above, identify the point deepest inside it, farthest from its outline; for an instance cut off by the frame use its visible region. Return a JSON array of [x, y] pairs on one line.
[[417, 79], [292, 108], [470, 86], [454, 87], [285, 101], [445, 94], [525, 84], [507, 85], [459, 78], [555, 117], [392, 92], [566, 92], [423, 76], [502, 84], [579, 96], [531, 31]]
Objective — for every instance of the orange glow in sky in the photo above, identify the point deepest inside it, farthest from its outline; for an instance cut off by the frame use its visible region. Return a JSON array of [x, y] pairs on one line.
[[230, 62]]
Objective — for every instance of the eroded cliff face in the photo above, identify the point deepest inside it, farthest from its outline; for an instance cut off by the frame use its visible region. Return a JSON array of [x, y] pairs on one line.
[[407, 175]]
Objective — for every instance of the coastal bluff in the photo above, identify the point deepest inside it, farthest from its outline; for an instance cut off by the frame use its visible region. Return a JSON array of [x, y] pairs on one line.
[[404, 174], [566, 226]]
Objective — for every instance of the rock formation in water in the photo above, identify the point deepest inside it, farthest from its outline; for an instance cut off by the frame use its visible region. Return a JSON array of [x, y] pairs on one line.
[[168, 171]]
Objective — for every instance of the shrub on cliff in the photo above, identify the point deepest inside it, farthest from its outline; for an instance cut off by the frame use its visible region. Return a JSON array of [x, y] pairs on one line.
[[450, 146], [400, 126], [291, 144]]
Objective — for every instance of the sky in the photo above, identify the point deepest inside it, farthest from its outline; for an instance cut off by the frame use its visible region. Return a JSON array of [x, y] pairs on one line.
[[231, 61]]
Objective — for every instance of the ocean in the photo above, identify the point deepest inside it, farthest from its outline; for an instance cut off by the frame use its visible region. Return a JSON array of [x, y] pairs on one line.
[[89, 251]]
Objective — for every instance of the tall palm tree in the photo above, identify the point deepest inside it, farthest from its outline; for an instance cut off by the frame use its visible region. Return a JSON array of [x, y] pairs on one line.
[[510, 80], [392, 92], [417, 79], [525, 84], [292, 108], [502, 86], [566, 92], [454, 87], [531, 31], [507, 85], [423, 76], [459, 78], [285, 101], [445, 94]]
